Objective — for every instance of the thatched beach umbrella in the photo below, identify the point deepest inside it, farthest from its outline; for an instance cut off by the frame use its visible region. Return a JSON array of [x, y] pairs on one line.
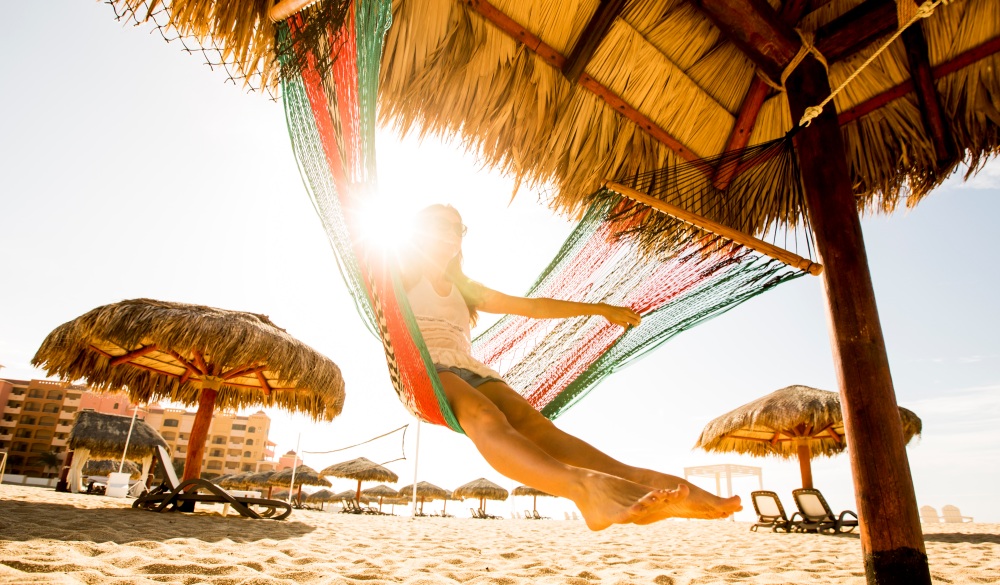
[[107, 466], [481, 488], [321, 496], [350, 495], [380, 492], [797, 421], [523, 490], [194, 355], [304, 475], [234, 482], [361, 469], [425, 491], [259, 480], [104, 436]]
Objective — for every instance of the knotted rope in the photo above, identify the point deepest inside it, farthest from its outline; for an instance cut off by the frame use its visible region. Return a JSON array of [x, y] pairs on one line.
[[923, 11]]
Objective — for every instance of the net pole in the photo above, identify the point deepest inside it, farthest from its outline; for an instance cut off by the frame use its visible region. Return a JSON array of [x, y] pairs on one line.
[[416, 463]]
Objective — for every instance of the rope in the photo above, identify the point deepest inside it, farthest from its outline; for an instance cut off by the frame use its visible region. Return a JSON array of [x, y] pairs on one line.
[[805, 48], [402, 428], [923, 11]]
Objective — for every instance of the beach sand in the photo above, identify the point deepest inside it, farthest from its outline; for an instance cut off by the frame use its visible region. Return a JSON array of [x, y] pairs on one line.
[[50, 537]]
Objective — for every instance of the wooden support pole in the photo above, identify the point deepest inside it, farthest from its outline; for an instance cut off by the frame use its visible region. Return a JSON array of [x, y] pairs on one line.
[[718, 229], [891, 538], [805, 462], [597, 28], [199, 430], [132, 355], [931, 112]]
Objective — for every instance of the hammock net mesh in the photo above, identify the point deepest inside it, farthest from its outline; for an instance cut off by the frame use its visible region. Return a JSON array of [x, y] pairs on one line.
[[674, 274]]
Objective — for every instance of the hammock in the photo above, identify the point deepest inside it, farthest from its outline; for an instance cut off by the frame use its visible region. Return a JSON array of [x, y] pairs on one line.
[[673, 273]]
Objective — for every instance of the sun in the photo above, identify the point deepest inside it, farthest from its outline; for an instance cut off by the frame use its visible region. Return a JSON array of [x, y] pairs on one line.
[[385, 225]]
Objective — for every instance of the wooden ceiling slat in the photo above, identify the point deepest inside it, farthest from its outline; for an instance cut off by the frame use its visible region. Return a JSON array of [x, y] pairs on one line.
[[963, 60], [597, 28], [739, 137], [927, 96]]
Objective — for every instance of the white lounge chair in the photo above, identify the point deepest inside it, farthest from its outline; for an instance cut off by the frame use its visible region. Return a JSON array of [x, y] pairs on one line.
[[952, 515]]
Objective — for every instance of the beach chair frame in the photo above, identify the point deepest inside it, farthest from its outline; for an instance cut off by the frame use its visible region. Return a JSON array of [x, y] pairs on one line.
[[776, 522], [175, 495], [824, 521]]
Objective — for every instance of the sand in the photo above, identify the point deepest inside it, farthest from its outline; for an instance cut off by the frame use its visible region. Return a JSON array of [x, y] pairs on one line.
[[50, 537]]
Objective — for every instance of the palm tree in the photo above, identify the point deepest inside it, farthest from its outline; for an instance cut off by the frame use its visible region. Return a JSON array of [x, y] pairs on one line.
[[49, 460]]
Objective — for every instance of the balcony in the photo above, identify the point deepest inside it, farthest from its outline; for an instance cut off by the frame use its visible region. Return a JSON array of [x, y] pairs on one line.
[[12, 410], [71, 401], [63, 428], [8, 423], [6, 436], [66, 415], [58, 442], [180, 442]]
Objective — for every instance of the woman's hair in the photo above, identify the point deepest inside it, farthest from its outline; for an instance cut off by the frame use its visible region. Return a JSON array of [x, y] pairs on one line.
[[471, 290]]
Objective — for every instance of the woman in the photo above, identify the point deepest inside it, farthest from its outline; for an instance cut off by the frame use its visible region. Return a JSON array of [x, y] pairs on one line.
[[516, 439]]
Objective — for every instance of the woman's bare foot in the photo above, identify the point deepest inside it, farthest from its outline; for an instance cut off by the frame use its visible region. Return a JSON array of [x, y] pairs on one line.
[[608, 500], [700, 503]]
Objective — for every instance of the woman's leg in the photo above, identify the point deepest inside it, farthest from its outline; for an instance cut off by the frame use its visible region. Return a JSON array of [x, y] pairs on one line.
[[578, 453], [602, 498]]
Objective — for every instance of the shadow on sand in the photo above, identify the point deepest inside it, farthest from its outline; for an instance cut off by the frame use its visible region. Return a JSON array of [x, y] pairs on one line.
[[26, 520]]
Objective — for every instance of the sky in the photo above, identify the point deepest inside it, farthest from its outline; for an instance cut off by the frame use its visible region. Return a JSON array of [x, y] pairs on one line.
[[129, 168]]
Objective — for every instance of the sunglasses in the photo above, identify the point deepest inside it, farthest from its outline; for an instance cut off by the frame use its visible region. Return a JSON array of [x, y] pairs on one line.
[[459, 229]]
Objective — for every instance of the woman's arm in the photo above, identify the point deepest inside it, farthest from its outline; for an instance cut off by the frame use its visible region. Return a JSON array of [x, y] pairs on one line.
[[542, 308]]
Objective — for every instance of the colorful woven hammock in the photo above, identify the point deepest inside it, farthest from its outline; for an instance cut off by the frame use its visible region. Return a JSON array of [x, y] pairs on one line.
[[675, 275]]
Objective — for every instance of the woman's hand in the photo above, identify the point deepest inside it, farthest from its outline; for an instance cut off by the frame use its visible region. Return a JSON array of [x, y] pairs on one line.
[[622, 316]]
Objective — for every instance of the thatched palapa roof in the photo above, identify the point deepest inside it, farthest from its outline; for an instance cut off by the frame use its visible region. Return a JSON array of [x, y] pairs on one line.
[[304, 475], [361, 469], [425, 490], [105, 434], [574, 93], [777, 423], [159, 350], [480, 488], [106, 466]]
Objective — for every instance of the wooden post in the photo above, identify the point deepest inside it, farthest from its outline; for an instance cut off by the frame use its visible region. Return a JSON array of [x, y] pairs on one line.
[[805, 463], [199, 430], [891, 538]]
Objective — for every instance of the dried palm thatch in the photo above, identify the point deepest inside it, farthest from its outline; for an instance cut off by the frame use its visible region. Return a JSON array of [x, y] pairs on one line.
[[304, 475], [523, 490], [480, 488], [361, 469], [240, 31], [795, 421], [380, 491], [238, 481], [776, 423], [104, 435], [258, 479], [158, 350], [448, 70], [107, 466], [323, 495], [350, 495], [425, 491]]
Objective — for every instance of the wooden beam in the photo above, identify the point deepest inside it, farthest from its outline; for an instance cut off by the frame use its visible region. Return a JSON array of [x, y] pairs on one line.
[[185, 362], [597, 28], [856, 29], [739, 136], [990, 47], [242, 371], [133, 354], [199, 361], [891, 538], [263, 383], [557, 60], [758, 31], [931, 112]]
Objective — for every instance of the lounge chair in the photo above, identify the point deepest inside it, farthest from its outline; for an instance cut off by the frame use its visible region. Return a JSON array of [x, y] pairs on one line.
[[928, 515], [952, 515], [174, 494], [536, 516], [817, 515], [771, 514]]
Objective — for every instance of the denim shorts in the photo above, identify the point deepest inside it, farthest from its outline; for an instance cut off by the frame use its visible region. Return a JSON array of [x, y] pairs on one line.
[[468, 376]]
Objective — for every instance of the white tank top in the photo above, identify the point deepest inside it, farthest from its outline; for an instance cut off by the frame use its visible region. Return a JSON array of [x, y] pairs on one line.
[[444, 324]]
